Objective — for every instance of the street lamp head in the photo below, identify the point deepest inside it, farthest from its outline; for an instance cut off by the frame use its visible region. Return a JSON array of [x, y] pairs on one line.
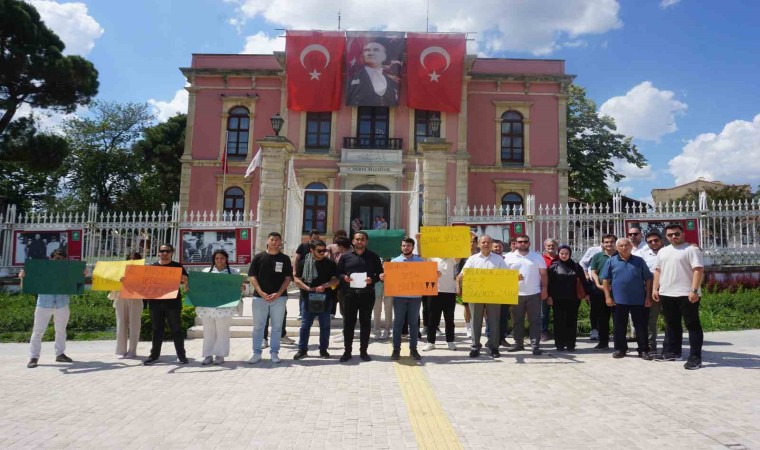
[[277, 122], [435, 125]]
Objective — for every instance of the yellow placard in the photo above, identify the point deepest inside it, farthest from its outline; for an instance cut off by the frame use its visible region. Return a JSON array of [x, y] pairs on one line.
[[490, 286], [445, 242], [410, 279], [107, 275], [151, 282]]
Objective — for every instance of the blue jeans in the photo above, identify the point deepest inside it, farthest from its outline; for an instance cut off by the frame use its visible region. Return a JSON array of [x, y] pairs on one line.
[[406, 309], [308, 319], [261, 310]]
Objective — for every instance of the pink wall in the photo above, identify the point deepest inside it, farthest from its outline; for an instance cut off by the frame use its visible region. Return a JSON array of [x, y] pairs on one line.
[[482, 191]]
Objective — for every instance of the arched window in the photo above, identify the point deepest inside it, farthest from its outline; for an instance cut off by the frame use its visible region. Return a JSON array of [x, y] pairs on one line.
[[238, 124], [512, 145], [234, 201], [511, 203], [315, 209]]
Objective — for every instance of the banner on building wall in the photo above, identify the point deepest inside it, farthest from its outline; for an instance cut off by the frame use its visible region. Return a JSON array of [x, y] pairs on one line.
[[314, 68], [29, 244], [435, 67], [373, 68], [501, 230], [690, 228], [198, 246]]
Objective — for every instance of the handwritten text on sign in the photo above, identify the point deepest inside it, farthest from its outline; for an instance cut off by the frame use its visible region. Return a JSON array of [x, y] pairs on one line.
[[410, 279], [445, 242], [152, 282], [490, 286]]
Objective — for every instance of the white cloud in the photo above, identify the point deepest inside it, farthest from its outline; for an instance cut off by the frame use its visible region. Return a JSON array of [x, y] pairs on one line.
[[71, 22], [48, 121], [645, 112], [261, 43], [165, 110], [630, 171], [498, 25], [732, 156], [668, 3]]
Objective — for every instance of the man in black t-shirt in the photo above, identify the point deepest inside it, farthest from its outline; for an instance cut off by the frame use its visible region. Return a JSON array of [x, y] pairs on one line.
[[162, 311], [316, 274], [270, 272]]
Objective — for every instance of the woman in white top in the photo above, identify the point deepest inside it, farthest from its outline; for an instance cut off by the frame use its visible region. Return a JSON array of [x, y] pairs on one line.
[[217, 321], [128, 320]]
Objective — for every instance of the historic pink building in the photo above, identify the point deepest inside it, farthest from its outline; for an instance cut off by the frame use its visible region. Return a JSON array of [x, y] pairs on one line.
[[509, 141]]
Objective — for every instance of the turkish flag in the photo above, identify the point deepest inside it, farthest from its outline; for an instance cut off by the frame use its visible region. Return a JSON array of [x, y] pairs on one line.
[[435, 67], [314, 67]]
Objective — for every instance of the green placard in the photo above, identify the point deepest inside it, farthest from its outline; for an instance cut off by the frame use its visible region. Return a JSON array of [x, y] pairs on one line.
[[43, 276], [386, 243], [215, 290]]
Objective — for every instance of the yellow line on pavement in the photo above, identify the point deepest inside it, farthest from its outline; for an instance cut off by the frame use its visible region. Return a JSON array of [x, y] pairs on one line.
[[429, 421]]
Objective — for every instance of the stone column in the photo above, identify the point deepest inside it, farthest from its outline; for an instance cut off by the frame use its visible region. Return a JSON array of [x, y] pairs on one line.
[[563, 168], [187, 155], [434, 169], [270, 212]]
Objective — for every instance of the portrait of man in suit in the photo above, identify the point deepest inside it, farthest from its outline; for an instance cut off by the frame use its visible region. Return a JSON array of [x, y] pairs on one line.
[[371, 86]]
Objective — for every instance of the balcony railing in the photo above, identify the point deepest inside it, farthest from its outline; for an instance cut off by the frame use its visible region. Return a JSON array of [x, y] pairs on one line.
[[373, 143]]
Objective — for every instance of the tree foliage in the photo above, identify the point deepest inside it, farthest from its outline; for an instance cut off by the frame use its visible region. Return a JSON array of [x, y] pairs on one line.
[[729, 193], [33, 69], [592, 148]]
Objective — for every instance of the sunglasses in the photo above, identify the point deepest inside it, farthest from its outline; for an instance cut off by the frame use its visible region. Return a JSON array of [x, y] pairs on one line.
[[633, 234], [676, 234], [321, 251], [164, 251], [652, 241], [523, 242]]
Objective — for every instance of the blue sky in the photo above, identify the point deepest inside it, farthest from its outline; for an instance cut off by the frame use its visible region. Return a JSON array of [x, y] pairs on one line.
[[677, 75]]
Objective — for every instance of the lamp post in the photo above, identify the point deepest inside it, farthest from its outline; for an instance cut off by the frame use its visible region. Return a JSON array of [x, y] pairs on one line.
[[435, 125], [277, 122]]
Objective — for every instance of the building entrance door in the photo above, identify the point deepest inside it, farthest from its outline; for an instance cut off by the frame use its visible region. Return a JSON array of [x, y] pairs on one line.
[[369, 205]]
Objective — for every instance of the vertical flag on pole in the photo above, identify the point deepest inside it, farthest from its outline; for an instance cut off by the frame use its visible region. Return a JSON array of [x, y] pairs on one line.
[[255, 162]]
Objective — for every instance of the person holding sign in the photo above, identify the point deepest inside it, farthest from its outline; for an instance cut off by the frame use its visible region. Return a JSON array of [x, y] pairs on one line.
[[163, 311], [532, 291], [128, 319], [316, 275], [217, 321], [270, 272], [406, 308], [484, 260], [49, 305], [357, 271]]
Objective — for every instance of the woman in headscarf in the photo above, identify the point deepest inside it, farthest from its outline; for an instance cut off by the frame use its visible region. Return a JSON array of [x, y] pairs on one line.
[[567, 285]]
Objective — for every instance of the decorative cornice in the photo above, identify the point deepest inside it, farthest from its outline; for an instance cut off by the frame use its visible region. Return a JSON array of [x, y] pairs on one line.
[[507, 169]]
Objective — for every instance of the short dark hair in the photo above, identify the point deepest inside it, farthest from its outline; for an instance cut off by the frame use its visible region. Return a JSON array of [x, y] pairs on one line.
[[58, 252], [653, 233], [339, 232], [343, 241], [408, 240], [497, 241], [512, 239], [313, 232], [274, 234], [609, 236], [366, 236], [673, 226], [171, 247], [134, 256], [522, 236], [314, 243]]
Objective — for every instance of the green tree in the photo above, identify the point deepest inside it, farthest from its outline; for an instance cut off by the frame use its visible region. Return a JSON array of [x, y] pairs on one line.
[[726, 194], [33, 69], [592, 148]]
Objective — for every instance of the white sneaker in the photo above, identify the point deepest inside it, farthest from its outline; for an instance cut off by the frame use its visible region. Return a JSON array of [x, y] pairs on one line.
[[428, 347], [287, 340], [265, 344], [255, 359], [451, 346], [423, 331], [207, 360], [219, 360], [594, 336], [377, 334], [276, 358], [384, 334], [469, 331], [332, 316], [438, 332], [338, 338]]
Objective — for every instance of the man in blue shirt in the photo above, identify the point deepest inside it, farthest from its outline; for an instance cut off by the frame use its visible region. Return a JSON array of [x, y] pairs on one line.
[[627, 283], [406, 309]]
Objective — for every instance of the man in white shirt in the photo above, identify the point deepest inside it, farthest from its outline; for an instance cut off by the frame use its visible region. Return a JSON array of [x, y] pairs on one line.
[[532, 290], [484, 260]]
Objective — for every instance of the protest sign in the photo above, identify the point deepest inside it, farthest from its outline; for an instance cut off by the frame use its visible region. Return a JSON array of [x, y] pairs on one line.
[[386, 243], [55, 277], [490, 286], [107, 275], [445, 242], [151, 282], [215, 290], [410, 279]]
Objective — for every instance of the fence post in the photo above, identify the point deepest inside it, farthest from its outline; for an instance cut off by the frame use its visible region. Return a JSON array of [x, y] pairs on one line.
[[704, 219], [91, 231], [173, 226], [530, 213], [7, 244]]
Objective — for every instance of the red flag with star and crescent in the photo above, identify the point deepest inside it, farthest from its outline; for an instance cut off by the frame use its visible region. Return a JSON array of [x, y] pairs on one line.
[[314, 67], [435, 68]]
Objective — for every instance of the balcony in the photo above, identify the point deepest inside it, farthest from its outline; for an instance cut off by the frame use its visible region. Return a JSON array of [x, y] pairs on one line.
[[374, 143]]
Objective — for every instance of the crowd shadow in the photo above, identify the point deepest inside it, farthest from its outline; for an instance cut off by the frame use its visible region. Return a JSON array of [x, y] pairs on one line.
[[84, 367]]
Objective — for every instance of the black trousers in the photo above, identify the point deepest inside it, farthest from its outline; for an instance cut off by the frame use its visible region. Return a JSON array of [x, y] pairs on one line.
[[640, 316], [603, 313], [162, 311], [674, 308], [284, 321], [566, 322], [444, 303], [357, 302]]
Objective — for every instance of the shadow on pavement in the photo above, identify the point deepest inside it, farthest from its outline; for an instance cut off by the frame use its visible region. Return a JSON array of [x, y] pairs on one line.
[[82, 367]]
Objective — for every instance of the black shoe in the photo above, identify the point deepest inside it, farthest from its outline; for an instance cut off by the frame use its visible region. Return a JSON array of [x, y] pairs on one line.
[[415, 354], [601, 347], [667, 356], [365, 356], [346, 356], [618, 354], [560, 349], [396, 355], [324, 354], [474, 353], [182, 359], [300, 354], [504, 343], [495, 354], [571, 349], [537, 352], [515, 348], [693, 363], [645, 356], [63, 358], [150, 361], [631, 339], [32, 363]]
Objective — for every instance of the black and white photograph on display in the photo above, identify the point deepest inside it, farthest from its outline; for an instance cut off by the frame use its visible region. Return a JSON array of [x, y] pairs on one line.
[[38, 245], [199, 246]]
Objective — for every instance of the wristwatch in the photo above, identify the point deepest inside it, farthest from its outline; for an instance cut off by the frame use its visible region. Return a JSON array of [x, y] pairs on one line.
[[695, 291]]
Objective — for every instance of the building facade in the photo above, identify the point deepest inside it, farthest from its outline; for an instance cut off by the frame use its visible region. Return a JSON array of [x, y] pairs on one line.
[[508, 141]]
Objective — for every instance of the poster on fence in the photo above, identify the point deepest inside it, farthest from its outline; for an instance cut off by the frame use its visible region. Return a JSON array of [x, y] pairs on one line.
[[151, 282], [198, 246], [410, 279], [501, 231], [107, 275], [690, 228], [33, 244], [53, 277], [490, 286], [445, 242]]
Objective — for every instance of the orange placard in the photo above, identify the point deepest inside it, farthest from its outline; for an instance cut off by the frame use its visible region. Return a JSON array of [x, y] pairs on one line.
[[151, 282], [410, 279]]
